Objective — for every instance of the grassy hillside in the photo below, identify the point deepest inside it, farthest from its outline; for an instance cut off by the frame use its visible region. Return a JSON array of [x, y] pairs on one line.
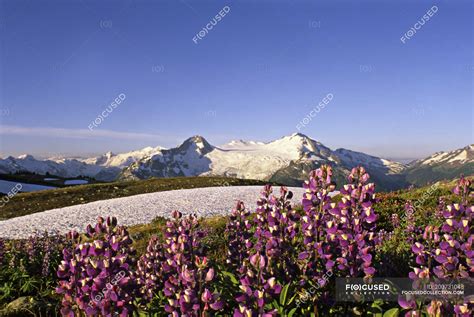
[[28, 203]]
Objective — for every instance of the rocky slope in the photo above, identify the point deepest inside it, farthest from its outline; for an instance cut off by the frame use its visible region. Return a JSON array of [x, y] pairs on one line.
[[441, 165]]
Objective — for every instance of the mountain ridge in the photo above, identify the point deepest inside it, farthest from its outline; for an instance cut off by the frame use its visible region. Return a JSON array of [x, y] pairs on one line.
[[286, 160]]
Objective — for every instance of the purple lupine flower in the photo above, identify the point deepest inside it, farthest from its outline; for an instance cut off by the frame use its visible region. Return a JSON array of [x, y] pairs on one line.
[[276, 227], [463, 310], [187, 273], [2, 250], [33, 247], [446, 251], [395, 220], [463, 189], [149, 273], [410, 220], [95, 277], [441, 207], [317, 225], [351, 234], [271, 261], [35, 256], [239, 235], [258, 288]]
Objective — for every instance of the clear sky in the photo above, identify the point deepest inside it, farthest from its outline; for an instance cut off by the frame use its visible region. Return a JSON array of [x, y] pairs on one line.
[[255, 75]]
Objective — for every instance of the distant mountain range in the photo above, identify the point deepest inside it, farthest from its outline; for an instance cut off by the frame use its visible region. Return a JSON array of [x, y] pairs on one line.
[[286, 160], [441, 165]]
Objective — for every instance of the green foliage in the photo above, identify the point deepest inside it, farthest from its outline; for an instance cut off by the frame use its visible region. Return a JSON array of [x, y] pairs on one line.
[[28, 270]]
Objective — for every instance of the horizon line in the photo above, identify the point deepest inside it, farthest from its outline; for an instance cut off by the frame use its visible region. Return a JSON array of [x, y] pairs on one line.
[[113, 134]]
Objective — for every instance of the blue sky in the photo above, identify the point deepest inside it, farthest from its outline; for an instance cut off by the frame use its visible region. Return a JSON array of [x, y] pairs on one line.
[[255, 75]]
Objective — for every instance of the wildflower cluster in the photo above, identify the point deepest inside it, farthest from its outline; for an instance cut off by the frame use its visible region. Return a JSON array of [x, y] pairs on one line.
[[283, 247], [351, 232], [446, 252], [95, 275], [187, 273], [28, 268], [269, 257], [2, 251], [149, 272], [239, 237]]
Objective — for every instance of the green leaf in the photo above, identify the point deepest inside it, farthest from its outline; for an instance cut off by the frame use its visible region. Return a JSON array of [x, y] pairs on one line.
[[231, 277], [283, 293], [275, 304], [291, 299], [391, 312], [292, 312], [375, 308]]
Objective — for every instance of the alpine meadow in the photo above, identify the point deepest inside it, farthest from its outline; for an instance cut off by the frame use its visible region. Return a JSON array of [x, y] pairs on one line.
[[236, 158]]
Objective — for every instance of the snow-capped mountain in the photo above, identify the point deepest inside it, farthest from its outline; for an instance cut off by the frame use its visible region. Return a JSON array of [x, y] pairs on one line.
[[121, 160], [456, 157], [385, 173], [242, 159], [104, 168], [353, 159], [189, 159], [60, 167], [441, 165], [286, 160]]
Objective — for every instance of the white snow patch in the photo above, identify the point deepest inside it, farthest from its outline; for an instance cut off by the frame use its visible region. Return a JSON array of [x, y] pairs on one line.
[[460, 157], [435, 158], [138, 209]]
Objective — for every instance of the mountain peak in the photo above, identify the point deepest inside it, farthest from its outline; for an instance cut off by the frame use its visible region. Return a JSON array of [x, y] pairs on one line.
[[197, 138], [460, 156], [301, 135], [26, 157], [198, 143]]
